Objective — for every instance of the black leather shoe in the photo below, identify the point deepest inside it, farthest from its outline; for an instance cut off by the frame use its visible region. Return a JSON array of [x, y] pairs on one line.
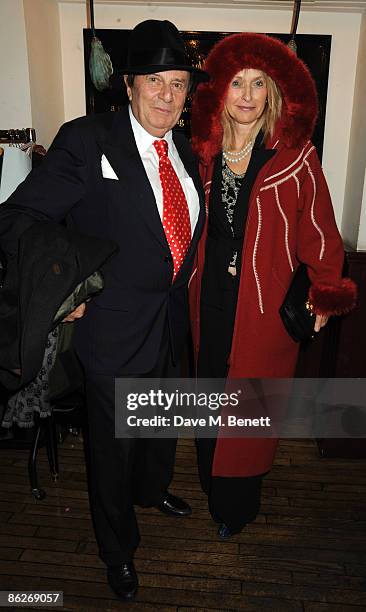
[[174, 506], [123, 580]]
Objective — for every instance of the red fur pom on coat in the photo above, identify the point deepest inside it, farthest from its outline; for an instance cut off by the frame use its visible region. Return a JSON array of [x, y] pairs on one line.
[[332, 300]]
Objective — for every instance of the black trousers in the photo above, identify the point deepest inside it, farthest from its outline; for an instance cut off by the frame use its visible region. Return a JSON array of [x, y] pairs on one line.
[[123, 472], [234, 501]]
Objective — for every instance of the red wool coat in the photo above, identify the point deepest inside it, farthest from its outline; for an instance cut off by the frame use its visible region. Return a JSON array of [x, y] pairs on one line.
[[290, 220]]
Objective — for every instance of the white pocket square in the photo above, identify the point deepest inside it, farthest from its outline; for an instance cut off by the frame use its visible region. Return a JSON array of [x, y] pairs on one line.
[[107, 170]]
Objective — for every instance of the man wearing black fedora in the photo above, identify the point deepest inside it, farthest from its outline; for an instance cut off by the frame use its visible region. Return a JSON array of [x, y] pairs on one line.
[[129, 177]]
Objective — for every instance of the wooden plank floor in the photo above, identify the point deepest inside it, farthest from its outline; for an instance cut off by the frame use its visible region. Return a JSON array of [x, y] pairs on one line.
[[305, 553]]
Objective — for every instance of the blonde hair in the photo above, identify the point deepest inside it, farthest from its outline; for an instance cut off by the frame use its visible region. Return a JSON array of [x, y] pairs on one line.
[[266, 122]]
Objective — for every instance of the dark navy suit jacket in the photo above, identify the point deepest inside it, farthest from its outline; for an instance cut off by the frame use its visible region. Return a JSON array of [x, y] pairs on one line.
[[123, 328]]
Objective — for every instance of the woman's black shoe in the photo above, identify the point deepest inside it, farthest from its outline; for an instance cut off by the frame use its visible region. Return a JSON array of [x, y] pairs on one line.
[[224, 531], [123, 580]]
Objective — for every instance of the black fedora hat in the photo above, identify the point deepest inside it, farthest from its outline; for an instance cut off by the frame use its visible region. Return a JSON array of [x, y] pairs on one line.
[[156, 46]]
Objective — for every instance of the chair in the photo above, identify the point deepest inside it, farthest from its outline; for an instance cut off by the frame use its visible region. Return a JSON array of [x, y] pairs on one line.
[[66, 417]]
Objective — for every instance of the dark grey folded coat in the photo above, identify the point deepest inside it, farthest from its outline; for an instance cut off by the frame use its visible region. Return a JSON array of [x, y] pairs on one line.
[[83, 291], [45, 262]]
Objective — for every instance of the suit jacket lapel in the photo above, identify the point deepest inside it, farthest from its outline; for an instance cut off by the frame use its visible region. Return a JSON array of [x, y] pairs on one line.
[[191, 166], [118, 144]]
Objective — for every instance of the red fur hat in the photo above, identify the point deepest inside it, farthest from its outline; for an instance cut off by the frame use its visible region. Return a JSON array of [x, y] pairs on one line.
[[249, 50]]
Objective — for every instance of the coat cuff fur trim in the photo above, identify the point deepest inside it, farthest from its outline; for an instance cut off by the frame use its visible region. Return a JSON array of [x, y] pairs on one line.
[[333, 300]]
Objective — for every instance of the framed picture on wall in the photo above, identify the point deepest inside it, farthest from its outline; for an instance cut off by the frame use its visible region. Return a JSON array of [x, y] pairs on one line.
[[313, 49]]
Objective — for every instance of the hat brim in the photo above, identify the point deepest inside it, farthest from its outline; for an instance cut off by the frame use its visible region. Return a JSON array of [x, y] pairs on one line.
[[200, 75]]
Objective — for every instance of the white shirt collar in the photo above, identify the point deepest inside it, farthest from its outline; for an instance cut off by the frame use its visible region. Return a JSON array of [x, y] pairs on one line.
[[143, 139]]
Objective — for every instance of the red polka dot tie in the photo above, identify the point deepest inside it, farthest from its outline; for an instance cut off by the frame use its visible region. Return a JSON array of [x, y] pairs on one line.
[[176, 221]]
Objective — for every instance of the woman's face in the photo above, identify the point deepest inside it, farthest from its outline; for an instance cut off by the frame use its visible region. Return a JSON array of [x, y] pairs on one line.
[[246, 97]]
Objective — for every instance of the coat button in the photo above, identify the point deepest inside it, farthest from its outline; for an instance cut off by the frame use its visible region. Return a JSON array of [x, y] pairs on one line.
[[168, 258]]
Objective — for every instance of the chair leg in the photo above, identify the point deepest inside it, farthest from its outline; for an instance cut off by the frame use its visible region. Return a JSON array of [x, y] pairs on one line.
[[51, 445], [32, 467]]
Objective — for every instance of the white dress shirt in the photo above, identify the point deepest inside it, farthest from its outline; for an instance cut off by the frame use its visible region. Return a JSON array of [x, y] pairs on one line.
[[150, 159]]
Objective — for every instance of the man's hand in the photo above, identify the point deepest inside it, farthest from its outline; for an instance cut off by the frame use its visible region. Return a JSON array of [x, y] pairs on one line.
[[320, 321], [75, 314]]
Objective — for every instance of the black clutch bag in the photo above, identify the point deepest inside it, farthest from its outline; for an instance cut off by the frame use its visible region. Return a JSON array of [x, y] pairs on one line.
[[296, 313]]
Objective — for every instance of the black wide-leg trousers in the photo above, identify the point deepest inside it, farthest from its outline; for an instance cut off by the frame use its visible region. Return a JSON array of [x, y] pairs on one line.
[[123, 471], [234, 501]]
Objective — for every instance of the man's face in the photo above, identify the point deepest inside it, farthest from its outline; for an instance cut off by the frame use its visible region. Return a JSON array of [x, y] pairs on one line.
[[157, 99]]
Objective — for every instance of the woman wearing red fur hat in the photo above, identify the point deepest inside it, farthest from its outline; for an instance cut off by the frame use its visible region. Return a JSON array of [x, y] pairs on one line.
[[268, 209]]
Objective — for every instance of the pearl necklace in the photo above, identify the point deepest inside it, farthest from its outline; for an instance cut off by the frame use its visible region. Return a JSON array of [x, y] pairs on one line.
[[236, 156]]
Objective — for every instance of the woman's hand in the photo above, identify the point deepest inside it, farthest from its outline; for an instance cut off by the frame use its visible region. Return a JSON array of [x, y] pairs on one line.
[[320, 321], [75, 314]]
